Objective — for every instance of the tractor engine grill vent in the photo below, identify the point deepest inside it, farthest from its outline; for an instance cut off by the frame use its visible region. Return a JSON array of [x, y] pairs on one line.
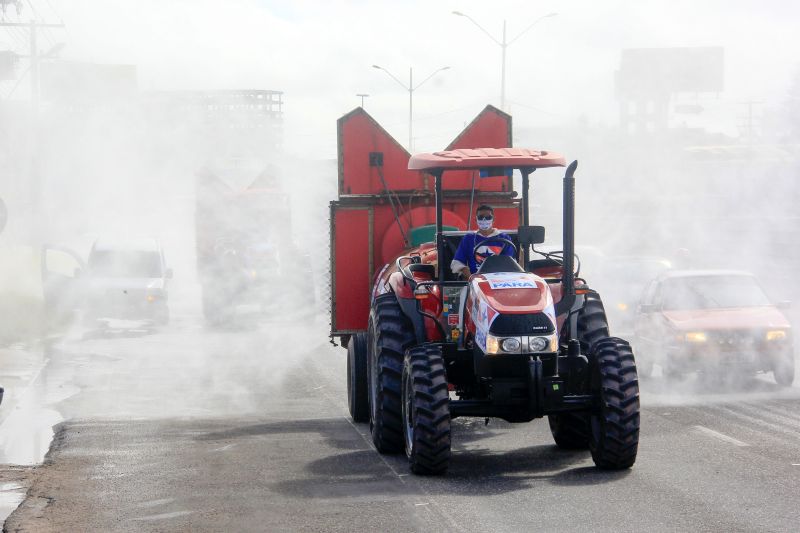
[[527, 324]]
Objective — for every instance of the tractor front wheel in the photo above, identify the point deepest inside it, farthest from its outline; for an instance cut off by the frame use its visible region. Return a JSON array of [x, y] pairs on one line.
[[614, 437], [426, 411], [357, 400], [390, 335], [571, 430]]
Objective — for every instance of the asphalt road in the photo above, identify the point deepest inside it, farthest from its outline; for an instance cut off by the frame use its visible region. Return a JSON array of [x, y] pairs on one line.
[[188, 429]]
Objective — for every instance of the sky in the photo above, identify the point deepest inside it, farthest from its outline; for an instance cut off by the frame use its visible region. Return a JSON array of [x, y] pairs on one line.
[[320, 53]]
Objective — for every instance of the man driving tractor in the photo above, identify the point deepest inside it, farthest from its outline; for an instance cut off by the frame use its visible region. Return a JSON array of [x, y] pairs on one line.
[[465, 262]]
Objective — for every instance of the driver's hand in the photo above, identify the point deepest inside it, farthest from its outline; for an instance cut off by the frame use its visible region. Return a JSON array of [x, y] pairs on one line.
[[465, 273]]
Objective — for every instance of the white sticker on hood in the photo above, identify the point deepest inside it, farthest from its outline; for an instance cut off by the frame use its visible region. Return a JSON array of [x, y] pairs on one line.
[[511, 280]]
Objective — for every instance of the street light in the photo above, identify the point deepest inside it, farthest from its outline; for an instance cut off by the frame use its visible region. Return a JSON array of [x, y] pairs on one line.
[[410, 88], [504, 44]]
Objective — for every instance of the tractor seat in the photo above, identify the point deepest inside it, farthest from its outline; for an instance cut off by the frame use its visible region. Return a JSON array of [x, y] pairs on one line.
[[499, 263]]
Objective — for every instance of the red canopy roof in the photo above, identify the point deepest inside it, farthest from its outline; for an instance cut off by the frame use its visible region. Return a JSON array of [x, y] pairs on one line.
[[486, 157]]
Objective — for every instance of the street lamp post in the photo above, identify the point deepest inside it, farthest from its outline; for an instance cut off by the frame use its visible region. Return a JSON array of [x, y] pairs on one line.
[[504, 44], [410, 88]]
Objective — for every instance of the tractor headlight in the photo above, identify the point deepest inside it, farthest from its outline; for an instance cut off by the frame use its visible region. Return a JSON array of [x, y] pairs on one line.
[[511, 345], [515, 345], [538, 344], [776, 335], [695, 336]]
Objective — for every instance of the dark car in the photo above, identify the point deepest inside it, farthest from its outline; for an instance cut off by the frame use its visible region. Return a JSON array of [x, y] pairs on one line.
[[718, 322]]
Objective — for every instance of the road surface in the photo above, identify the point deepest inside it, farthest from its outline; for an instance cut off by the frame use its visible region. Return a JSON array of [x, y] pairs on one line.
[[190, 429]]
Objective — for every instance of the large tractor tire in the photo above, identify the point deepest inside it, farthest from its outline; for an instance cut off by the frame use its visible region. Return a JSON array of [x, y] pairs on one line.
[[571, 430], [357, 380], [592, 322], [614, 439], [390, 335], [783, 370], [426, 411]]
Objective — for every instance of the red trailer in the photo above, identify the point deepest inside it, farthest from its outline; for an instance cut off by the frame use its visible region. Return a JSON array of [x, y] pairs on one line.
[[384, 208]]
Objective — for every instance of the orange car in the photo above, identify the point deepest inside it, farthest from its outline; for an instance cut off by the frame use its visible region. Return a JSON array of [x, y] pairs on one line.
[[713, 321]]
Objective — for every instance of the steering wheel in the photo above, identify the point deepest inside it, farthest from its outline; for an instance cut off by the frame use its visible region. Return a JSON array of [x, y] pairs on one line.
[[555, 255], [506, 244]]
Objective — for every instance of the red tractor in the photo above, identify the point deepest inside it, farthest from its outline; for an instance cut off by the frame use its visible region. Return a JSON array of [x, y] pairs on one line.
[[521, 339]]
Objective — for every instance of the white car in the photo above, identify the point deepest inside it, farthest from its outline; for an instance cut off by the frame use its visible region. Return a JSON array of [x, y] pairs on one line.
[[120, 280]]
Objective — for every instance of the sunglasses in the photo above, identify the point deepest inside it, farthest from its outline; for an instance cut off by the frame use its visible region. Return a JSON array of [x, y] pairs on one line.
[[485, 217]]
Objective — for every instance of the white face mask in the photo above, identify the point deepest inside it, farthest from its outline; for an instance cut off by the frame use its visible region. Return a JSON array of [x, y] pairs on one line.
[[485, 224]]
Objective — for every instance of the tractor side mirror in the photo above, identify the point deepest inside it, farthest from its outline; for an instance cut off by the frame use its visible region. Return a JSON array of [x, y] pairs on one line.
[[784, 304], [530, 235]]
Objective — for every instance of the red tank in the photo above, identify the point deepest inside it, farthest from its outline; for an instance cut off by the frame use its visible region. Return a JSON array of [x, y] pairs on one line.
[[384, 209]]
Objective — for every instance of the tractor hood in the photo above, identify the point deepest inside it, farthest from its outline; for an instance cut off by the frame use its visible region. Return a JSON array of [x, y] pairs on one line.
[[734, 318], [513, 292], [521, 301]]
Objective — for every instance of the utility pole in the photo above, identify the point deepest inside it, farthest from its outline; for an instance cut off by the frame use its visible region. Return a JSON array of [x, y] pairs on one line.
[[504, 44], [35, 175], [747, 128], [410, 88], [362, 96], [34, 56]]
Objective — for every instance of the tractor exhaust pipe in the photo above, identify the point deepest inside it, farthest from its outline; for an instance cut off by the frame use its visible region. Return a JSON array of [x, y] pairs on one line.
[[569, 234]]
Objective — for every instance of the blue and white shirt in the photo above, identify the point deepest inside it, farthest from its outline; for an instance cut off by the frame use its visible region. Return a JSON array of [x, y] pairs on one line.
[[465, 257]]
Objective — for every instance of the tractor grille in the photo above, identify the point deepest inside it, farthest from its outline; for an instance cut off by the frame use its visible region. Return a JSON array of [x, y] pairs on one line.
[[525, 324]]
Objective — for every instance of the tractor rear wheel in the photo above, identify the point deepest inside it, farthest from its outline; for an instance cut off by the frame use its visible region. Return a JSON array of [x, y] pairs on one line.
[[592, 322], [426, 411], [390, 335], [783, 370], [357, 400], [614, 437], [571, 430]]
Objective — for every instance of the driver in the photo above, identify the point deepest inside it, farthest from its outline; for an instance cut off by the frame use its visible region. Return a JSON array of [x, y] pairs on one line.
[[465, 262]]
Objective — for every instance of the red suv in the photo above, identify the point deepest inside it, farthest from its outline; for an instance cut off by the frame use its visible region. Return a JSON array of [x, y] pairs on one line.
[[714, 321]]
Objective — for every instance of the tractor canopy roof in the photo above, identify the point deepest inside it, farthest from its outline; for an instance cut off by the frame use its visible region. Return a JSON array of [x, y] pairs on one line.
[[486, 158]]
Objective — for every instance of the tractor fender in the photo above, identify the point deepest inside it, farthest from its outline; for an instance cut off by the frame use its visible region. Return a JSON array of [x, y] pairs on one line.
[[400, 286], [409, 308], [404, 293]]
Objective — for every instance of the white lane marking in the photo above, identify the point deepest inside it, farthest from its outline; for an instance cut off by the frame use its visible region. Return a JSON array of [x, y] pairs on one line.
[[795, 464], [754, 419], [164, 516], [156, 503], [224, 448], [764, 413], [720, 436]]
